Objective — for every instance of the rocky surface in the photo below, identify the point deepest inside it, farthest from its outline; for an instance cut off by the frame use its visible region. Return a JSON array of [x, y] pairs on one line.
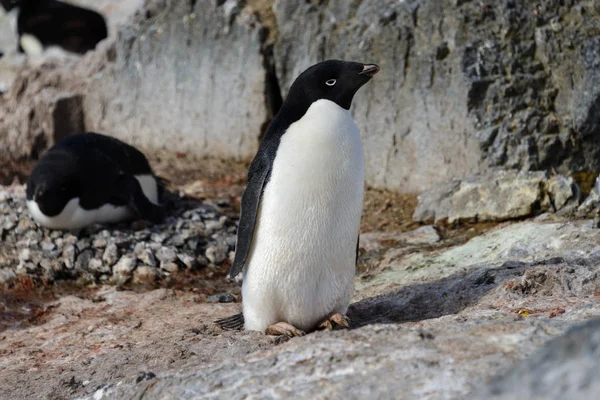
[[565, 368], [194, 236], [464, 86], [429, 322], [500, 195]]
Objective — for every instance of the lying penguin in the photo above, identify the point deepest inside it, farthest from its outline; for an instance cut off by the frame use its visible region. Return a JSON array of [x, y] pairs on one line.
[[91, 178], [300, 213], [43, 23]]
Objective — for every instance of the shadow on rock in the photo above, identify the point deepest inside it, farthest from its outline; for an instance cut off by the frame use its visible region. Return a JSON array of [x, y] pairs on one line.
[[416, 302]]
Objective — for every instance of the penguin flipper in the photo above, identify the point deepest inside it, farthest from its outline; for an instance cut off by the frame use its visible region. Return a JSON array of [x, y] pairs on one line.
[[136, 199], [258, 175]]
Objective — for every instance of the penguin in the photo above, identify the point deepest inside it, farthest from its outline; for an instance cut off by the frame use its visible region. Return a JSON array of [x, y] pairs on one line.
[[91, 178], [43, 23], [298, 232]]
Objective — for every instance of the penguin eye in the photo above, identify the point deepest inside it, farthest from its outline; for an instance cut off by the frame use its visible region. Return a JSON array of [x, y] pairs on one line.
[[330, 82]]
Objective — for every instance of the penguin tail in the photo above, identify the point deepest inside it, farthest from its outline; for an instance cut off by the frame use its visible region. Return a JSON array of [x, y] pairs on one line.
[[233, 323]]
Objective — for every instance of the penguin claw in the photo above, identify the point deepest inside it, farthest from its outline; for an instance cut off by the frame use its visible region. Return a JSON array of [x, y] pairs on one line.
[[284, 329], [333, 320]]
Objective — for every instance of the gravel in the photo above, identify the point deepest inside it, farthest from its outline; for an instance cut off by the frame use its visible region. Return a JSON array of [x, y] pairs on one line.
[[194, 235]]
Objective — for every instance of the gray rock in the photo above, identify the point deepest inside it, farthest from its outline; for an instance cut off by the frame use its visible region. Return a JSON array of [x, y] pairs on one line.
[[216, 253], [567, 367], [96, 265], [124, 267], [591, 206], [189, 261], [497, 196], [166, 254], [111, 254], [169, 266], [221, 298], [145, 275]]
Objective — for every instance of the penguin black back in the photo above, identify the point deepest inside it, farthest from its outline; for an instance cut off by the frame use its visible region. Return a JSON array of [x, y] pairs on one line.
[[53, 22], [95, 169]]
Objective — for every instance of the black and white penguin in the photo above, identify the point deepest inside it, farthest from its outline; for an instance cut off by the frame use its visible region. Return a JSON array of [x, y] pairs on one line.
[[91, 178], [301, 210], [43, 23]]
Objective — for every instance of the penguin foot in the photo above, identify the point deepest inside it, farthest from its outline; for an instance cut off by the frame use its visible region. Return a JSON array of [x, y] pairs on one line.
[[334, 319], [284, 329]]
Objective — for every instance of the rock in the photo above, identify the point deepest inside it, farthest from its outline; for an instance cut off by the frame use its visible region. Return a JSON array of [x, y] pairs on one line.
[[124, 267], [379, 240], [216, 254], [111, 255], [497, 196], [166, 254], [591, 206], [169, 266], [563, 190], [145, 275], [145, 255], [221, 298], [98, 266], [567, 367], [187, 260]]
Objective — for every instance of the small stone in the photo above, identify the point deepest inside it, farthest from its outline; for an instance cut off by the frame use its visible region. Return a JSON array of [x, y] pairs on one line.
[[216, 254], [69, 256], [83, 259], [99, 243], [97, 265], [111, 254], [166, 254], [124, 267], [187, 260], [83, 244], [158, 237], [25, 255], [47, 245], [145, 274], [169, 266], [221, 298], [147, 257]]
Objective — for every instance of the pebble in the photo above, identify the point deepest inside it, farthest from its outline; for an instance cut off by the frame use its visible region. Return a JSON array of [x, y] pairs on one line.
[[221, 298], [124, 267], [194, 236]]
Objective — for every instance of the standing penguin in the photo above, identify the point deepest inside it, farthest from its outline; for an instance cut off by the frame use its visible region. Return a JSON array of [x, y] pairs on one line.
[[300, 213], [91, 178]]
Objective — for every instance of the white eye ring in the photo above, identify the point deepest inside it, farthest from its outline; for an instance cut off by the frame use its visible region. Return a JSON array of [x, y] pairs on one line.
[[330, 82]]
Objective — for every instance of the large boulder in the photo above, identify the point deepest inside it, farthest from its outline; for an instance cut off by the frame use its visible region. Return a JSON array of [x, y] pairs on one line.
[[497, 196]]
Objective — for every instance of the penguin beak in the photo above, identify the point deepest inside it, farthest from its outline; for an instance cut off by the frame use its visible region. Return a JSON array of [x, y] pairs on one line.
[[369, 70]]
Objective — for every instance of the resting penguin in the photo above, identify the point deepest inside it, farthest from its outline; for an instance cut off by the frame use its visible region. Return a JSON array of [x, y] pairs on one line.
[[91, 178], [43, 23], [300, 212]]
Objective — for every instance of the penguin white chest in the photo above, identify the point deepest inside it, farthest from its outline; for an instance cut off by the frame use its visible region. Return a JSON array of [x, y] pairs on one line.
[[302, 261], [73, 216]]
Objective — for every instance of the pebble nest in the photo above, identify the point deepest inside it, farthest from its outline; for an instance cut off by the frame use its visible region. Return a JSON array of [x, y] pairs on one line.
[[194, 235]]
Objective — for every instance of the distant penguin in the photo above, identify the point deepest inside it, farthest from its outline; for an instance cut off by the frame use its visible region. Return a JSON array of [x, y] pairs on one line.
[[300, 213], [43, 23], [91, 178]]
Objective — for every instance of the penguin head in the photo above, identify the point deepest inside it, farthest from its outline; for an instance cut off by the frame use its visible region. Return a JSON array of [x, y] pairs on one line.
[[52, 184], [10, 4], [334, 80]]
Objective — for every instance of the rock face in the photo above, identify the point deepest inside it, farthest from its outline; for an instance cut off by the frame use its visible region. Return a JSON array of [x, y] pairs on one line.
[[464, 86], [566, 368], [497, 196], [188, 77]]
